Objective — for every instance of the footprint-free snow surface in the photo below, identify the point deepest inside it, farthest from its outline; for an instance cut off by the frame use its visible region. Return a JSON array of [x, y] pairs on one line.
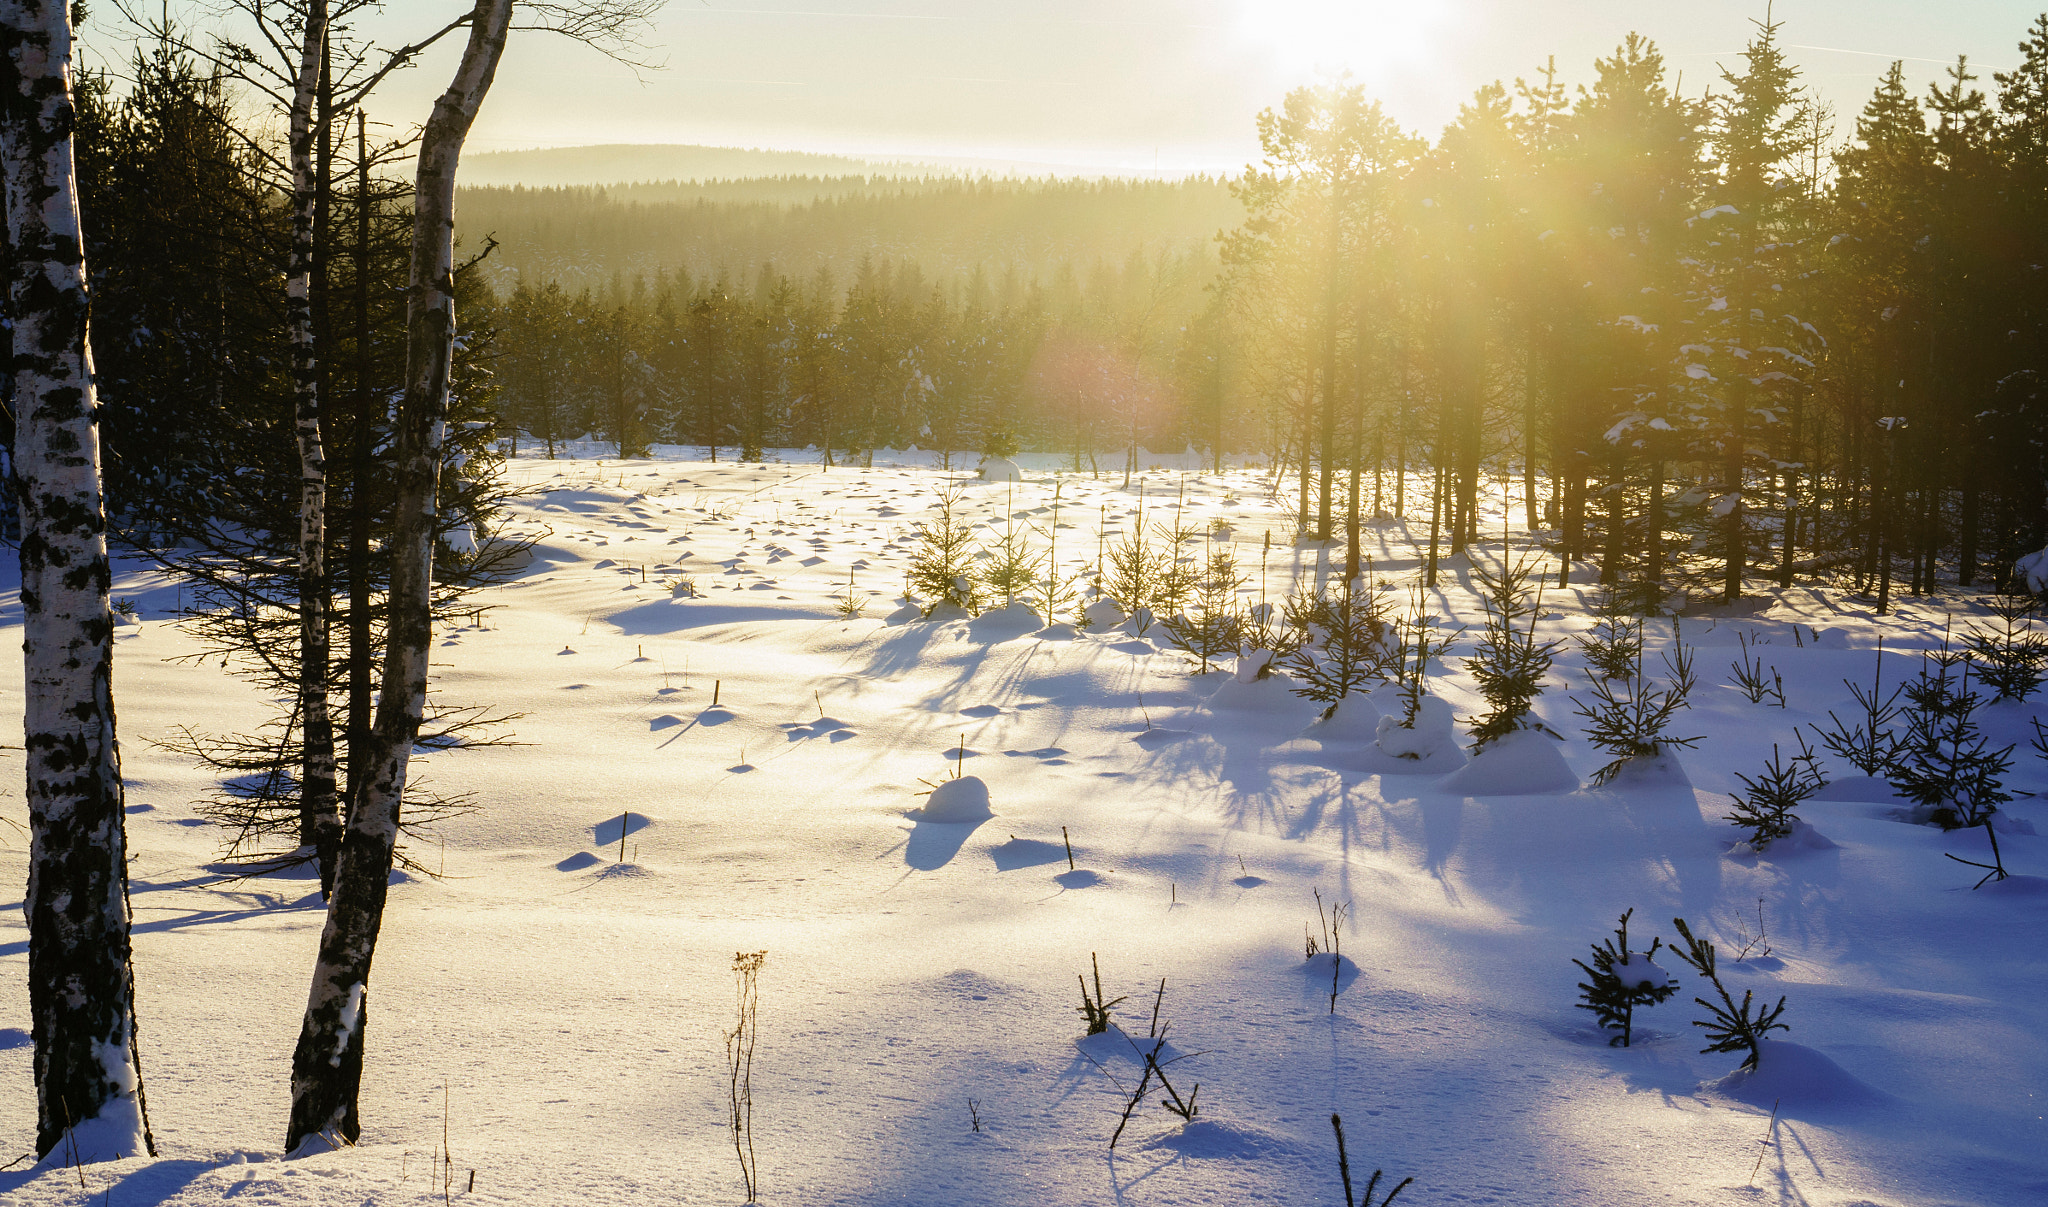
[[712, 759]]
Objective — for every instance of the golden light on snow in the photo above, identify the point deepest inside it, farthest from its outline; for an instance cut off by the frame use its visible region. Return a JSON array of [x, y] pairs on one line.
[[1363, 37]]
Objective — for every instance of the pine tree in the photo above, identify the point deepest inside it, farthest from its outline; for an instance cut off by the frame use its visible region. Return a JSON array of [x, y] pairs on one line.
[[1945, 764], [1509, 664], [1619, 980], [1765, 808]]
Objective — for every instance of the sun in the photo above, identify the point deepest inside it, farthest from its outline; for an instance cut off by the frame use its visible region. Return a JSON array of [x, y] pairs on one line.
[[1363, 37]]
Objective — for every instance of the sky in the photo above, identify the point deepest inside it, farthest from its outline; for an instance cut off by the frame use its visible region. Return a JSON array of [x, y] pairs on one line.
[[1105, 84]]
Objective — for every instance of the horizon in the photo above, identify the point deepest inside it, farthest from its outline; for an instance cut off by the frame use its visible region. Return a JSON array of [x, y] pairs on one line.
[[1130, 86]]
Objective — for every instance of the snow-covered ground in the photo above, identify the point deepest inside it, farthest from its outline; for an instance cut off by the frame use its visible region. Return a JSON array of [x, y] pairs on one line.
[[555, 1003]]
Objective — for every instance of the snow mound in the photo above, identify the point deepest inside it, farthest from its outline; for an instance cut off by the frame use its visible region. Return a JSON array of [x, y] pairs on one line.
[[1352, 719], [1080, 878], [1524, 763], [1206, 1138], [943, 611], [1253, 664], [1797, 1078], [2034, 569], [1803, 839], [1434, 732], [961, 800], [1274, 693], [1865, 788], [1104, 613], [1649, 771], [1000, 469], [1139, 621], [1014, 620]]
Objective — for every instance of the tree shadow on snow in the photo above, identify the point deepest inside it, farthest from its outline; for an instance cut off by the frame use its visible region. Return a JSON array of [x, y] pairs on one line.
[[932, 844]]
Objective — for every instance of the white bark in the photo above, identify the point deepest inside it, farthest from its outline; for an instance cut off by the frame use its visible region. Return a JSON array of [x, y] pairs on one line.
[[327, 1065], [81, 986]]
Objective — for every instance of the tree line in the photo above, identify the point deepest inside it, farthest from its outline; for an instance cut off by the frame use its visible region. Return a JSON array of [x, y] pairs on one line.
[[1701, 341]]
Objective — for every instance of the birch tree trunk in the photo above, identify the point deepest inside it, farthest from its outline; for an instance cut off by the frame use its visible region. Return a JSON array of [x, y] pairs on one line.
[[328, 1063], [319, 820], [81, 984]]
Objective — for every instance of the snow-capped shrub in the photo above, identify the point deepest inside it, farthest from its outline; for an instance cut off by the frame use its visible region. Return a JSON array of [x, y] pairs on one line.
[[1508, 663], [1630, 722], [1944, 763], [1765, 807], [1619, 980]]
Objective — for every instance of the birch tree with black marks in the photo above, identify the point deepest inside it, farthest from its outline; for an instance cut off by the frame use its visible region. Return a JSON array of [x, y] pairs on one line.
[[327, 1065], [81, 984]]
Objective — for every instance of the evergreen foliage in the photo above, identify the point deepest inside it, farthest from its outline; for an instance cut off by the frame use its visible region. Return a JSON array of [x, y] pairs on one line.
[[1508, 663], [1216, 627], [1765, 807], [942, 569], [1619, 980], [1868, 742], [1944, 762], [1730, 1026], [1630, 721], [1614, 645], [2011, 656], [1344, 640]]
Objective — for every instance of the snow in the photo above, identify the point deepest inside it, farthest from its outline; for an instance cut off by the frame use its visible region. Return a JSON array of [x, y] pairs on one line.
[[1524, 763], [1000, 469], [955, 801], [570, 999]]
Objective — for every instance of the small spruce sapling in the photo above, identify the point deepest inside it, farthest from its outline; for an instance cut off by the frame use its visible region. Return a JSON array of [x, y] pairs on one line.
[[1619, 980], [1419, 643], [1349, 647], [1010, 568], [1372, 1185], [1869, 743], [2011, 656], [1945, 764], [1630, 722], [942, 568], [1730, 1026], [1752, 678], [1096, 1009], [1614, 645], [1508, 663], [1765, 806], [1217, 627]]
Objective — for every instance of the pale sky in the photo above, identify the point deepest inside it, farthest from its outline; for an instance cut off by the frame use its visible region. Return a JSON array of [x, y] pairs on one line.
[[1130, 83]]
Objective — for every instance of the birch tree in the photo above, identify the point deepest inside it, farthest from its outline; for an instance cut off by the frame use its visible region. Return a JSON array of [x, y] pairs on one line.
[[319, 817], [327, 1065], [81, 984]]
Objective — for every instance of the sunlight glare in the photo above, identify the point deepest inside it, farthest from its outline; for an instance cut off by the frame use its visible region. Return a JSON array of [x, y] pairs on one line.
[[1364, 37]]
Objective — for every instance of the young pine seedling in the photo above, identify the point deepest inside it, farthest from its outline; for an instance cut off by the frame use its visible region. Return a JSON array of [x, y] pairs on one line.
[[1730, 1026], [1619, 980], [1764, 807]]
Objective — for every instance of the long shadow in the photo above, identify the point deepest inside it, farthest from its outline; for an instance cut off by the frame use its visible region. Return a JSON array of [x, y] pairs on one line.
[[933, 844]]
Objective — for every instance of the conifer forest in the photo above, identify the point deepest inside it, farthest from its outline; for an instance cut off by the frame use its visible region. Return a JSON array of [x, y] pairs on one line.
[[713, 662]]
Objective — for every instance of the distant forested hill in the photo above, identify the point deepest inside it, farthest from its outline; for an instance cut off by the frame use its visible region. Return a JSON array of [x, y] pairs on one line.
[[1015, 231], [554, 167]]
